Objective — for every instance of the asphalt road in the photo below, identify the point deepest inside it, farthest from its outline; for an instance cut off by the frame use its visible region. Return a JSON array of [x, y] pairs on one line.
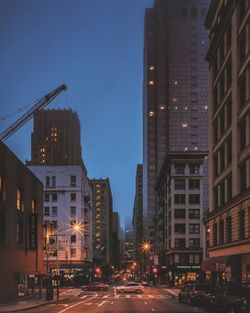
[[152, 300]]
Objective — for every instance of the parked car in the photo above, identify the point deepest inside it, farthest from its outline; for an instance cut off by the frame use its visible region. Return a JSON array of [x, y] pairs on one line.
[[131, 287], [95, 287], [194, 292], [232, 298]]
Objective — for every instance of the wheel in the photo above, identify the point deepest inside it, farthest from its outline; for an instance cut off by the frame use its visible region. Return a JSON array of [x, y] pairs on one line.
[[138, 291]]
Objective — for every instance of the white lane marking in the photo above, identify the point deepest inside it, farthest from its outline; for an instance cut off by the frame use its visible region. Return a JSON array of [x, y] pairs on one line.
[[77, 294], [83, 297], [100, 304], [78, 303], [127, 296], [139, 296], [89, 303], [145, 302], [106, 296], [112, 302], [172, 293], [150, 296]]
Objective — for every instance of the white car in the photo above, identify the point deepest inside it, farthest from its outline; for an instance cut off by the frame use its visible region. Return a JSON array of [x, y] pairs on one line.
[[131, 287]]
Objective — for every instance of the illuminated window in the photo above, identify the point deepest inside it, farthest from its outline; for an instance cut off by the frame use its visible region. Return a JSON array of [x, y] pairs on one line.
[[184, 125], [186, 148], [176, 82], [174, 99], [195, 148], [162, 107], [205, 107], [176, 108], [151, 113], [19, 202], [151, 68], [33, 206], [185, 108], [151, 82]]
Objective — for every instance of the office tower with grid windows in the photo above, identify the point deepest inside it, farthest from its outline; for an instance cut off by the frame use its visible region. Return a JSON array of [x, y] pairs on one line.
[[175, 91], [102, 218], [56, 138], [229, 141]]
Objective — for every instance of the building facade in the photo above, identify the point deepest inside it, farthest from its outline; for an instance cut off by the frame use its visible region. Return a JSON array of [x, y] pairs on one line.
[[102, 218], [21, 220], [56, 138], [181, 187], [175, 91], [116, 241], [138, 220], [67, 216], [229, 141], [128, 244]]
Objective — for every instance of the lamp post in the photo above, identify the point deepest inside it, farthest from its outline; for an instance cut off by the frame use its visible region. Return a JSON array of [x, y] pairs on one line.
[[145, 249], [75, 227]]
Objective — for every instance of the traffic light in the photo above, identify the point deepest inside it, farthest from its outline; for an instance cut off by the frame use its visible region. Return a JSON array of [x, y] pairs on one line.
[[155, 270]]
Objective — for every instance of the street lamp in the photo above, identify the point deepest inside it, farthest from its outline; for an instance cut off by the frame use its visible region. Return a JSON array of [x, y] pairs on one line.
[[146, 246]]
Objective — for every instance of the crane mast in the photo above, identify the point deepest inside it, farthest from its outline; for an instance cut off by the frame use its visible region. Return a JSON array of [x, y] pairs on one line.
[[42, 103]]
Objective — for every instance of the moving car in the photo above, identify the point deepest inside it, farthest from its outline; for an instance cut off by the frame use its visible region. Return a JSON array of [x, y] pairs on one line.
[[95, 287], [194, 292], [131, 287]]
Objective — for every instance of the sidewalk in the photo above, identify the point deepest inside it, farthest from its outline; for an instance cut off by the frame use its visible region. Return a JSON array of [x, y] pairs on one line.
[[30, 302]]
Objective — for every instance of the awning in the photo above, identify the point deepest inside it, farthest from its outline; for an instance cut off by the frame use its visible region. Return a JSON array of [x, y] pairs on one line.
[[216, 264]]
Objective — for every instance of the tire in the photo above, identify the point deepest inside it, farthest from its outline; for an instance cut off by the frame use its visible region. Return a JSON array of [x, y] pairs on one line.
[[138, 291]]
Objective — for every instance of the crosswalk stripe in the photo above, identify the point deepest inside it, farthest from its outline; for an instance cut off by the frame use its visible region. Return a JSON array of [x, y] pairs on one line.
[[127, 296], [106, 296], [83, 297]]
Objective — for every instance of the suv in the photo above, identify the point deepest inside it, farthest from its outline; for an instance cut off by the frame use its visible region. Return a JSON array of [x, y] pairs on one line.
[[194, 292], [131, 287], [233, 298]]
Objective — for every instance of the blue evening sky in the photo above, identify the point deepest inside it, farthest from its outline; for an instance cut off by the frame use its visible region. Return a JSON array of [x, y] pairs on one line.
[[95, 47]]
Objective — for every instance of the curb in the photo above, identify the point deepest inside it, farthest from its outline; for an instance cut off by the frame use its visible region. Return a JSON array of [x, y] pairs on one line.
[[35, 306]]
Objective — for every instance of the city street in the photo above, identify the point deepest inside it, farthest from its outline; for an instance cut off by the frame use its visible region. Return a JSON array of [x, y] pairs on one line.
[[152, 300]]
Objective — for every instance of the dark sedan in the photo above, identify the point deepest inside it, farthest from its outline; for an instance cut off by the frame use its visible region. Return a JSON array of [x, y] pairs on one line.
[[95, 287], [194, 292]]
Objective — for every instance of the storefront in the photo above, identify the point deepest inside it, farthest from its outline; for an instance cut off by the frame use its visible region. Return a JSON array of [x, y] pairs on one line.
[[180, 274]]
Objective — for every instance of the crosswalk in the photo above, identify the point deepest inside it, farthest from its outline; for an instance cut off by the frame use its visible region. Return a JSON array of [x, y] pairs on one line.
[[130, 296]]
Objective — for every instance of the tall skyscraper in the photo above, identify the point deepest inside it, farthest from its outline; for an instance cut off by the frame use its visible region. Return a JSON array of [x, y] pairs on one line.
[[229, 141], [103, 215], [56, 138], [138, 218], [175, 90]]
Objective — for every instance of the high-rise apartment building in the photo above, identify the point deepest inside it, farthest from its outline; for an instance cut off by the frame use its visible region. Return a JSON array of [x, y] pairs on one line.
[[128, 244], [175, 90], [116, 241], [102, 218], [56, 138], [229, 141], [138, 218]]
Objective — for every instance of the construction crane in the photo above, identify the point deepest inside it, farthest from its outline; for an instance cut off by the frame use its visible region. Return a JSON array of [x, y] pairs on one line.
[[42, 103]]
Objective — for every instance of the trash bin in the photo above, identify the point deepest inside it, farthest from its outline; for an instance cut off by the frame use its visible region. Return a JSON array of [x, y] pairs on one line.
[[49, 292]]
